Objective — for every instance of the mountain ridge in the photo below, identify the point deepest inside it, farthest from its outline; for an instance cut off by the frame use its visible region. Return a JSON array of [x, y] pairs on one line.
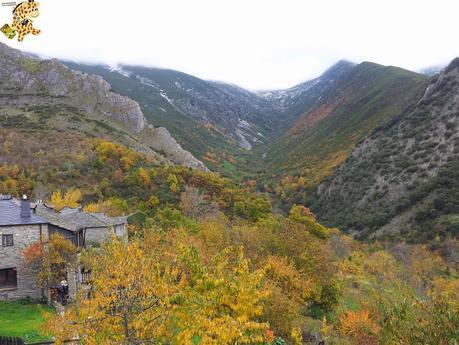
[[47, 95], [404, 175]]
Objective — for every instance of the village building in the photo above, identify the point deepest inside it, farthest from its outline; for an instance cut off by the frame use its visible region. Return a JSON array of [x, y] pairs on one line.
[[23, 224], [19, 227], [80, 227]]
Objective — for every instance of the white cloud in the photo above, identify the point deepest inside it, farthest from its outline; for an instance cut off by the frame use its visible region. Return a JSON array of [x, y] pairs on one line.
[[253, 43]]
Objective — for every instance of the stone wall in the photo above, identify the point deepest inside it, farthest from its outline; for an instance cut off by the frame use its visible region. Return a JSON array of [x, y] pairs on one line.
[[11, 257], [98, 235], [121, 231]]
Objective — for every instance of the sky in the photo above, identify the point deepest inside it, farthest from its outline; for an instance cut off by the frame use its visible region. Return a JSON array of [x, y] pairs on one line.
[[256, 44]]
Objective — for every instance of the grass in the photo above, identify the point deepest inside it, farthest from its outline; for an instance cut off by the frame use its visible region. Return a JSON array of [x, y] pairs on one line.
[[17, 320]]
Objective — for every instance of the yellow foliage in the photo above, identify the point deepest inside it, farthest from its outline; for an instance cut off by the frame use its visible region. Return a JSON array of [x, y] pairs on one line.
[[296, 336], [141, 296], [112, 207], [71, 198], [304, 216], [173, 188], [284, 274], [144, 177], [153, 201]]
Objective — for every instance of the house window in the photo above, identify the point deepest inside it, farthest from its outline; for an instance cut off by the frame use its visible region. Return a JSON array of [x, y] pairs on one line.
[[7, 240], [8, 278]]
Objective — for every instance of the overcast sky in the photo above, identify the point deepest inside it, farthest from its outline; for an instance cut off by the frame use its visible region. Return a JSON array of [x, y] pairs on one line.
[[257, 44]]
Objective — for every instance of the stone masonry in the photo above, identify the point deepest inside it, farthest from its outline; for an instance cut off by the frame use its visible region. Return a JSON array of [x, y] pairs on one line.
[[11, 257]]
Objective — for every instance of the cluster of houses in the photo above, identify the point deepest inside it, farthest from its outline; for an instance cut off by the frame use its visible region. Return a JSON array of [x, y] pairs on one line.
[[23, 223]]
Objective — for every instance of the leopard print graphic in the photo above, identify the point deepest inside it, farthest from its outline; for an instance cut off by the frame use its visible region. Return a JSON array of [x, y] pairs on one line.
[[24, 13]]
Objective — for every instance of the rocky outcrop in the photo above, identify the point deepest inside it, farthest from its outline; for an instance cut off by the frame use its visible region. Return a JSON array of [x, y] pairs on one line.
[[91, 93], [27, 82], [163, 142], [41, 79]]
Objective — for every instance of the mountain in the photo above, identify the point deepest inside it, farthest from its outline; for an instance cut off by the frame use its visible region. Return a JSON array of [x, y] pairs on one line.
[[334, 112], [308, 129], [215, 121], [402, 181], [48, 97], [295, 100]]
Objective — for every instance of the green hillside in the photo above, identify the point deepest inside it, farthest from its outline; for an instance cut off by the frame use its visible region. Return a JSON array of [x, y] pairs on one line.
[[402, 182], [202, 116], [323, 136]]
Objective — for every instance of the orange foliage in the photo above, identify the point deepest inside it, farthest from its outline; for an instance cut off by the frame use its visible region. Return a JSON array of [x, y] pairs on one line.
[[360, 327], [32, 253], [211, 157], [309, 119]]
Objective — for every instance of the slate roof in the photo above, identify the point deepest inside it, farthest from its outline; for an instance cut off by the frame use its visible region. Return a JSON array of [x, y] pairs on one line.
[[57, 219], [10, 214], [112, 221], [78, 219]]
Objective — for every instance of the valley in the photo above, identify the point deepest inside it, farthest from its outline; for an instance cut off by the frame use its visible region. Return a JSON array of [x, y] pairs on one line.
[[288, 144], [326, 213]]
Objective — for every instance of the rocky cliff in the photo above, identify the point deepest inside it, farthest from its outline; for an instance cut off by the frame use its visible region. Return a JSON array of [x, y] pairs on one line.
[[48, 93]]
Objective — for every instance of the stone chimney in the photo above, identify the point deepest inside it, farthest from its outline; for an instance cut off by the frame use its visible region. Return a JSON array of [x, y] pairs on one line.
[[25, 207]]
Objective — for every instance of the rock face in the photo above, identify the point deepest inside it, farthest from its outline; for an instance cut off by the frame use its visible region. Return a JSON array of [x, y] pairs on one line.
[[91, 93], [406, 174], [29, 83], [38, 80], [218, 111], [163, 141]]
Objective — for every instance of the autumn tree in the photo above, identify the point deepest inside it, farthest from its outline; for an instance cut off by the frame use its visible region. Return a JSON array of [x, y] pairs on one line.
[[112, 207], [49, 259], [304, 216], [71, 198], [360, 327], [194, 204], [144, 176], [142, 296]]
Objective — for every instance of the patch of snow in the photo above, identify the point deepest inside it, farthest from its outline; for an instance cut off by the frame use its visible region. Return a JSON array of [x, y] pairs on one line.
[[147, 82], [244, 124], [118, 69], [150, 83], [243, 142], [164, 95]]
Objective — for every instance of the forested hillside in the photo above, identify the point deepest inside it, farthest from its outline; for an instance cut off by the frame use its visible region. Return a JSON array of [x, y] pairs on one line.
[[335, 119], [212, 261], [303, 132], [223, 267], [402, 182]]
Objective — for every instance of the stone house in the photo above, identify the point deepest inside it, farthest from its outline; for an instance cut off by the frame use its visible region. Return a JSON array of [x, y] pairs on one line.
[[82, 228], [19, 227], [23, 223]]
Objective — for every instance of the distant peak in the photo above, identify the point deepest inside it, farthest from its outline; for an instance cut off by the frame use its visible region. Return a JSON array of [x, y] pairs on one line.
[[343, 63], [339, 67]]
